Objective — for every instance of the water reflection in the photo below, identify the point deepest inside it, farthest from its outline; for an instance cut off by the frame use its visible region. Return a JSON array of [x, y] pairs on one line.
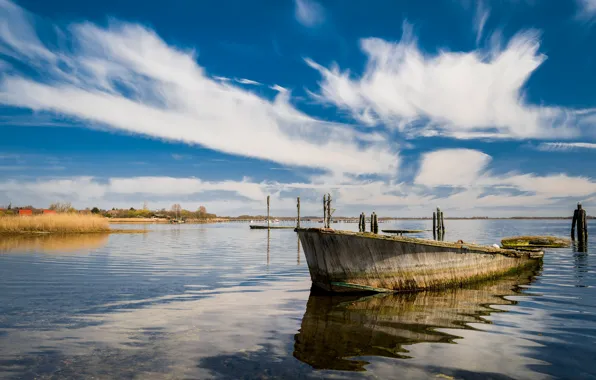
[[337, 328], [55, 244]]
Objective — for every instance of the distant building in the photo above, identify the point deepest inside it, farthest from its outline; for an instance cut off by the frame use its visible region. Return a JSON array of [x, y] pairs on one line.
[[46, 212], [25, 212]]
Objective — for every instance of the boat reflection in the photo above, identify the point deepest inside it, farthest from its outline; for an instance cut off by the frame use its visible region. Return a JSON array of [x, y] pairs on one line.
[[51, 243], [336, 330]]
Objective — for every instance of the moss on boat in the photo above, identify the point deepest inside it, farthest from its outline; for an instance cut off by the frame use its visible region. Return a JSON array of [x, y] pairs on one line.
[[525, 242]]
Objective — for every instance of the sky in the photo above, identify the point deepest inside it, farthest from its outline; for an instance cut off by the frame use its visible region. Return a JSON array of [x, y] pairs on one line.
[[482, 108]]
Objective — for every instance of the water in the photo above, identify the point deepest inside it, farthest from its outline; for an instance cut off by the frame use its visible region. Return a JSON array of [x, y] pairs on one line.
[[222, 301]]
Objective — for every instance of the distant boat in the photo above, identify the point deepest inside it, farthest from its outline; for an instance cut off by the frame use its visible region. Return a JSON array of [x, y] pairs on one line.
[[344, 261]]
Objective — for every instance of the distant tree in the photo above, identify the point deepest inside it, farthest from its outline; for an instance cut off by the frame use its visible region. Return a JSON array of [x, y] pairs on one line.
[[132, 209], [62, 207], [202, 210], [9, 206], [95, 210], [176, 208]]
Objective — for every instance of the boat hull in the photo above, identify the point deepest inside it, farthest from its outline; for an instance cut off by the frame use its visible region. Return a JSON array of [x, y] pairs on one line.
[[343, 261]]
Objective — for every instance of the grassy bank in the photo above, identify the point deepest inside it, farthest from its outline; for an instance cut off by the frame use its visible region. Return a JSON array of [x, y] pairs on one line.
[[56, 223]]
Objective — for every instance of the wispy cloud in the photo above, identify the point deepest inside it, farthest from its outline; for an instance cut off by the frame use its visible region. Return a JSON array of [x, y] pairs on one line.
[[309, 13], [248, 81], [480, 18], [126, 78], [476, 94], [565, 146], [278, 88], [586, 9], [180, 157]]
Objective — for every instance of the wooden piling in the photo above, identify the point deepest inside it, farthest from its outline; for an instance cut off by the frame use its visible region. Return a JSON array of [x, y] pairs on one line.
[[328, 210], [580, 219], [298, 206], [268, 221], [442, 223], [434, 222], [376, 224], [324, 210]]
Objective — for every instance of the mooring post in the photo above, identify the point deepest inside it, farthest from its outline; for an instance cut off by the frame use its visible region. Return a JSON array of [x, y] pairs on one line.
[[442, 223], [324, 210], [376, 223], [580, 218], [328, 210], [363, 222], [360, 223], [268, 222], [298, 220], [434, 222]]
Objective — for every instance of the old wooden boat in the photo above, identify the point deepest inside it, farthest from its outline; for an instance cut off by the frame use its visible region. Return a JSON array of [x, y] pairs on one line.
[[344, 261]]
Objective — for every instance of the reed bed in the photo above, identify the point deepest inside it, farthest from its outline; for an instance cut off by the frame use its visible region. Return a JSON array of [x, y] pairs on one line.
[[54, 223]]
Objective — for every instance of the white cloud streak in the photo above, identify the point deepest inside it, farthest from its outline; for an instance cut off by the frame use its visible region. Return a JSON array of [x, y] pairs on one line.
[[476, 94], [480, 18], [565, 147], [126, 78]]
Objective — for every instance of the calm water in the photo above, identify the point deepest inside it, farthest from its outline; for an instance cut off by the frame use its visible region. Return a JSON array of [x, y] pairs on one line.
[[222, 301]]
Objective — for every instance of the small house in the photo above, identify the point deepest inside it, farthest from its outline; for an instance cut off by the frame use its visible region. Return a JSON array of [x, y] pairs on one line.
[[25, 212], [48, 212]]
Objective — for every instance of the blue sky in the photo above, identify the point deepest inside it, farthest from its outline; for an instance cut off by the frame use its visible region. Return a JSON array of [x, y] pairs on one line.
[[480, 107]]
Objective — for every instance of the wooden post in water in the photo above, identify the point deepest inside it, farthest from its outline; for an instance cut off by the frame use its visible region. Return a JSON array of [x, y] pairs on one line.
[[376, 223], [580, 218], [324, 210], [298, 220], [372, 222], [328, 210], [268, 222], [434, 222], [442, 223]]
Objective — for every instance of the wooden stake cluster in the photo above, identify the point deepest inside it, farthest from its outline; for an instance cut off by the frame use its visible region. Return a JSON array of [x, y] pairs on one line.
[[374, 223], [362, 223], [580, 218], [298, 220], [438, 224]]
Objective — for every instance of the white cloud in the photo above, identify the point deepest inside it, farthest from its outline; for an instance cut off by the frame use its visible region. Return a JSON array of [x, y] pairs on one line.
[[562, 146], [309, 13], [451, 167], [471, 94], [126, 78]]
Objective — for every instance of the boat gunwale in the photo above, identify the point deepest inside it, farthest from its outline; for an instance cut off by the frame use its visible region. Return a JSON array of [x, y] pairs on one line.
[[432, 243]]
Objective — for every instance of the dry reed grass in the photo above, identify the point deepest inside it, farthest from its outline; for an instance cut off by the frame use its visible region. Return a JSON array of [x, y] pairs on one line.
[[55, 223]]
